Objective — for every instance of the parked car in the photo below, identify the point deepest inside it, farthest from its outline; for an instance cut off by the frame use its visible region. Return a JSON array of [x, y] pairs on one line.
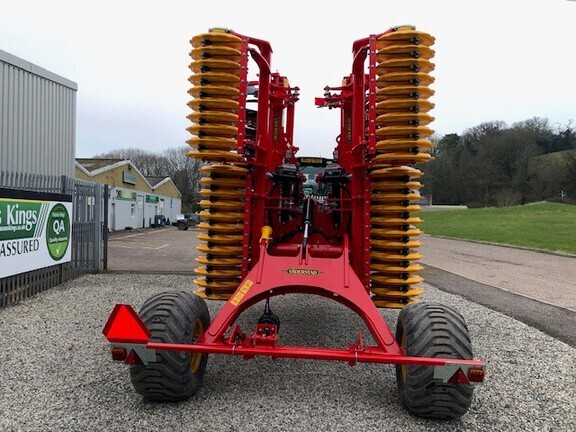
[[185, 221]]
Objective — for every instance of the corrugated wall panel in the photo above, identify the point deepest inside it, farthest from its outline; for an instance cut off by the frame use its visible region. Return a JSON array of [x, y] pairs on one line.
[[37, 123]]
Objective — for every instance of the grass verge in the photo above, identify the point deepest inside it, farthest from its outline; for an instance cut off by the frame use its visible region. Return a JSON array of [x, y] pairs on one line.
[[549, 226]]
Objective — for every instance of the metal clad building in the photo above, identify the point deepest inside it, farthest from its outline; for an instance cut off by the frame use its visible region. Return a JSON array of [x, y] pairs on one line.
[[37, 119]]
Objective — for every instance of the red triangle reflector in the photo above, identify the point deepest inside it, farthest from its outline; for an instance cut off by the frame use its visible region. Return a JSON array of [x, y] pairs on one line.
[[458, 378], [133, 358], [125, 326]]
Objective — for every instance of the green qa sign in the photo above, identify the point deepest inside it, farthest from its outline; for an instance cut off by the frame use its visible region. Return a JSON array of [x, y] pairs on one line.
[[58, 232]]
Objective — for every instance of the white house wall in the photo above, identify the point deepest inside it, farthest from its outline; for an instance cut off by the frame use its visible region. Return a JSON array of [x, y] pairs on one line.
[[134, 214]]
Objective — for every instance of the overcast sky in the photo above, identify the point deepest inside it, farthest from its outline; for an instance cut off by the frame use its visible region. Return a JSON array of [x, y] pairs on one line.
[[495, 60]]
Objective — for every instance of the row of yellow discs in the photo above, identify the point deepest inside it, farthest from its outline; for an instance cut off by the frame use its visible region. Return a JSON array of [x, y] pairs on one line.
[[403, 66], [215, 92]]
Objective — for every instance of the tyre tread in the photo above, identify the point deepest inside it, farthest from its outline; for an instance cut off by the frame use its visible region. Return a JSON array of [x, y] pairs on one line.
[[170, 317], [433, 330]]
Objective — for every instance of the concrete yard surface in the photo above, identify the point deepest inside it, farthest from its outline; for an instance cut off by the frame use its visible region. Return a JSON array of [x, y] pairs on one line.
[[160, 250], [57, 373]]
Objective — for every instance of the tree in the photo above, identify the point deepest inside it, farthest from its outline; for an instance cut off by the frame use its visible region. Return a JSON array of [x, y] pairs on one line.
[[186, 174], [149, 164], [183, 170], [493, 164], [474, 136]]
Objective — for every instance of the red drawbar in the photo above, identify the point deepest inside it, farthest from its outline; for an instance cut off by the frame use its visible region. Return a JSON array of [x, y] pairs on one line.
[[124, 326]]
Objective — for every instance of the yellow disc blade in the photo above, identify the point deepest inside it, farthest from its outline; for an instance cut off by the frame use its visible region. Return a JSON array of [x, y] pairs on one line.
[[222, 216], [412, 279], [394, 257], [393, 304], [399, 132], [410, 105], [225, 251], [221, 228], [396, 172], [404, 65], [394, 196], [213, 117], [215, 156], [223, 66], [223, 183], [220, 238], [404, 144], [395, 233], [215, 38], [412, 268], [218, 170], [382, 221], [215, 52], [404, 36], [218, 286], [223, 194], [390, 292], [404, 78], [220, 262], [215, 78], [404, 92], [403, 118], [394, 158], [222, 205], [212, 143], [408, 50], [214, 91], [216, 130], [219, 273], [388, 245], [219, 104]]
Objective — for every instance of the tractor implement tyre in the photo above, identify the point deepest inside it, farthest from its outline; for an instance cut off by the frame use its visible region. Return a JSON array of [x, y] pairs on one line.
[[172, 317], [432, 330]]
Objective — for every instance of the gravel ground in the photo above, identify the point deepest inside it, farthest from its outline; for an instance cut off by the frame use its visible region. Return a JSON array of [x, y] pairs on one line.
[[56, 372]]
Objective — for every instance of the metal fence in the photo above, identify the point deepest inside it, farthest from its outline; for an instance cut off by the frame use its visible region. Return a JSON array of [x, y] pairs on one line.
[[89, 236]]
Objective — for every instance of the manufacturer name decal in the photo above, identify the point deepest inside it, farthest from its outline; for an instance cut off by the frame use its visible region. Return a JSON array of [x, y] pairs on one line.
[[302, 272], [239, 295]]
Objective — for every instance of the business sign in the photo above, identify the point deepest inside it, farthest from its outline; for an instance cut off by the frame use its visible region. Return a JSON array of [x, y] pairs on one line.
[[125, 195], [152, 199], [35, 230], [128, 178]]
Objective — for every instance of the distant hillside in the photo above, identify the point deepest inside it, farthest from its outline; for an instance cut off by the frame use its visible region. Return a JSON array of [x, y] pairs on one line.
[[559, 159]]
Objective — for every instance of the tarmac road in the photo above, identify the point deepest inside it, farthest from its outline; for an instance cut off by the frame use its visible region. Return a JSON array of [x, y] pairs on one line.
[[542, 276], [533, 287]]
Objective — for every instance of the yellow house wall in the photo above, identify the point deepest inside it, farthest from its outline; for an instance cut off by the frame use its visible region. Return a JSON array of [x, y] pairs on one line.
[[80, 175], [168, 189], [114, 178]]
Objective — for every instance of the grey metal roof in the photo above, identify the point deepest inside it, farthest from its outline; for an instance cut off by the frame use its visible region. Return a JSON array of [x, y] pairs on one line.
[[92, 164], [37, 70], [154, 180]]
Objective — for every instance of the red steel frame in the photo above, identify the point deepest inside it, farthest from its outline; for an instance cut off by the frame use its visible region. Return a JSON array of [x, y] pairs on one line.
[[343, 276], [329, 277]]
